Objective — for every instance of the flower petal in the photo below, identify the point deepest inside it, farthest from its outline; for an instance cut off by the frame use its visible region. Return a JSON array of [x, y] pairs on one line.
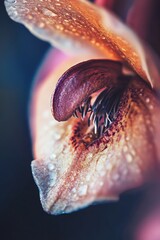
[[79, 26], [81, 80], [70, 178]]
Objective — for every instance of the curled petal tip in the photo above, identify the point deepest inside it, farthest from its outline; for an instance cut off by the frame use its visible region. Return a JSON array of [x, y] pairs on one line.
[[81, 80]]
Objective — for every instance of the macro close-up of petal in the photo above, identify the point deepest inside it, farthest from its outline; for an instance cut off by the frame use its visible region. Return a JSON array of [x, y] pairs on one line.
[[104, 138], [92, 115]]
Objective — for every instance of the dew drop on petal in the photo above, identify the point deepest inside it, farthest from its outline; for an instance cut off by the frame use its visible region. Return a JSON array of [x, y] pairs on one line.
[[53, 156], [41, 25], [48, 12], [125, 149], [151, 107], [147, 100], [88, 177], [101, 183], [127, 138], [74, 190], [109, 166], [82, 190], [129, 158], [53, 178], [51, 166]]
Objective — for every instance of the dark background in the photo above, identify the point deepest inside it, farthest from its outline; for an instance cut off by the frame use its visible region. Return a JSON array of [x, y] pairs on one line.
[[21, 214]]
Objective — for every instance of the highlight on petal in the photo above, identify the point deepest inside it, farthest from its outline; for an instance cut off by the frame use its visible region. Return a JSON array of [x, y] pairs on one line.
[[71, 173], [77, 26], [105, 3]]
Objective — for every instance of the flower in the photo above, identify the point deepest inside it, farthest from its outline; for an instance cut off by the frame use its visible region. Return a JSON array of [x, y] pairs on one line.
[[71, 169]]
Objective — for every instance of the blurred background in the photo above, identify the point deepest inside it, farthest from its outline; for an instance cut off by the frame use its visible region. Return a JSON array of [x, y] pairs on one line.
[[21, 214]]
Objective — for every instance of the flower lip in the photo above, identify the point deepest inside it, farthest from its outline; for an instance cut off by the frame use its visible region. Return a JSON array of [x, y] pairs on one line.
[[79, 174], [79, 82]]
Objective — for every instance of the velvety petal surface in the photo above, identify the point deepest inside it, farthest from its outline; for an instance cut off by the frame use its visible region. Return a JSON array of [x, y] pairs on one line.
[[79, 27], [70, 177]]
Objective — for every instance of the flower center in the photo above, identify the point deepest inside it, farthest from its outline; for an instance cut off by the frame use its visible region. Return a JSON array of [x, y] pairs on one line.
[[100, 110], [92, 92]]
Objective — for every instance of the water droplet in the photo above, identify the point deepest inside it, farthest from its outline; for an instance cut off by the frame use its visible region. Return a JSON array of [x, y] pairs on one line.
[[41, 25], [147, 100], [51, 166], [53, 178], [82, 190], [59, 27], [127, 138], [57, 136], [134, 54], [53, 156], [123, 49], [99, 167], [48, 12], [74, 190], [101, 184], [109, 166], [88, 177], [90, 155], [133, 152], [129, 158], [30, 17], [58, 4], [72, 178], [125, 149], [23, 10], [151, 107]]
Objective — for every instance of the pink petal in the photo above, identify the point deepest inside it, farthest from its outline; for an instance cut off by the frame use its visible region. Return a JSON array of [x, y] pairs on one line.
[[70, 179]]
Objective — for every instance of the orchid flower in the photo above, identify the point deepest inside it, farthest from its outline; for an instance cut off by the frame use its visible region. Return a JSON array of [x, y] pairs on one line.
[[95, 108]]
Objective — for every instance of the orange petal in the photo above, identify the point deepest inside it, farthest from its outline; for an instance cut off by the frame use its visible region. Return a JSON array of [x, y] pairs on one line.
[[79, 27], [70, 178]]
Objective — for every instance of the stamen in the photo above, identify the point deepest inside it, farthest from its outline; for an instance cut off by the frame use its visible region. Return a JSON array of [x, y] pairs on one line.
[[103, 110]]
